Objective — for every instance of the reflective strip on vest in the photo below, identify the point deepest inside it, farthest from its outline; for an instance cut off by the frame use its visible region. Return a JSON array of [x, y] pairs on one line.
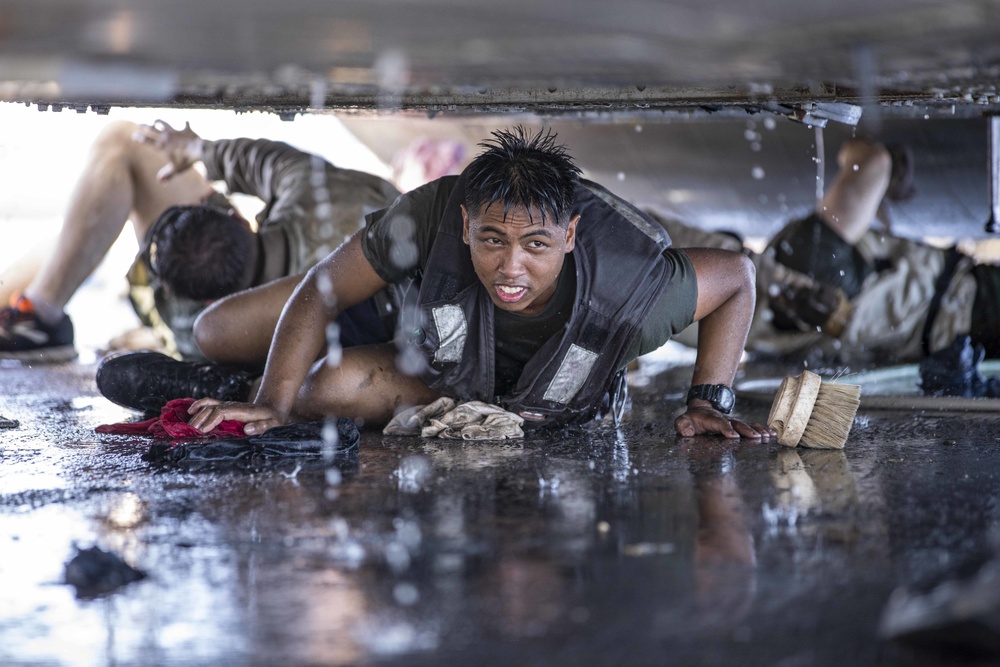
[[452, 332], [572, 374]]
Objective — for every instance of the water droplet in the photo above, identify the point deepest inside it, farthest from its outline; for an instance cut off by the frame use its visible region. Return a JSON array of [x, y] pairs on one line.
[[405, 594], [413, 472], [317, 93], [407, 532], [325, 286], [334, 351], [331, 439], [757, 172], [404, 253], [410, 361], [398, 557], [621, 175], [392, 70]]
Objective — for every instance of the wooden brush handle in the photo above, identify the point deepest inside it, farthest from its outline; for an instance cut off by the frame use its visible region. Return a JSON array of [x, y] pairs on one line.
[[793, 406]]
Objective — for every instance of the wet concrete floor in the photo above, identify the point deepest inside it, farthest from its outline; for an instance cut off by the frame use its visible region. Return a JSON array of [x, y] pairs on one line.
[[596, 546]]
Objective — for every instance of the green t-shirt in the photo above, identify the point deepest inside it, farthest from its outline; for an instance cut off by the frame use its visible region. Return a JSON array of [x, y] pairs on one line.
[[397, 243], [518, 337]]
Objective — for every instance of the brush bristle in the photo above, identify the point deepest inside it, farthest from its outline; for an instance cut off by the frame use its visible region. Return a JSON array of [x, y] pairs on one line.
[[832, 416]]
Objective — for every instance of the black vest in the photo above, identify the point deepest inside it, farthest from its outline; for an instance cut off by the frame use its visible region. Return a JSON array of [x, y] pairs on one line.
[[448, 316]]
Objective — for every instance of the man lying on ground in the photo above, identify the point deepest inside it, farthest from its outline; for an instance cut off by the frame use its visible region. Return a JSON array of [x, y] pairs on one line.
[[840, 273], [521, 285], [142, 174]]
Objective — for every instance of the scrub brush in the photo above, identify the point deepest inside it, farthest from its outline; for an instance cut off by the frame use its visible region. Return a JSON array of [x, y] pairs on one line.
[[813, 413]]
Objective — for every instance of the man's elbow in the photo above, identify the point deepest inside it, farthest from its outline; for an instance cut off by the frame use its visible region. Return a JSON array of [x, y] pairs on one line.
[[747, 272], [747, 279], [864, 155]]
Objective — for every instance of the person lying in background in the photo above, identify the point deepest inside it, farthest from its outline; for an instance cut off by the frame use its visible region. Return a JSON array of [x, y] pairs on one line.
[[195, 247]]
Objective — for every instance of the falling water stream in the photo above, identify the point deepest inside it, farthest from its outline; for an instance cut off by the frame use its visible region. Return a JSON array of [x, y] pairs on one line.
[[820, 163], [324, 211], [994, 148]]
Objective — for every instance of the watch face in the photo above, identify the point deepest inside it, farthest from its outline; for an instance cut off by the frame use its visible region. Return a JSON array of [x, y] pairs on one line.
[[726, 399]]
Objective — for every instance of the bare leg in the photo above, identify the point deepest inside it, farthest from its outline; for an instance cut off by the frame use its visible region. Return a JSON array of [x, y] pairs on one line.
[[366, 385], [238, 329], [19, 274], [852, 202], [118, 183]]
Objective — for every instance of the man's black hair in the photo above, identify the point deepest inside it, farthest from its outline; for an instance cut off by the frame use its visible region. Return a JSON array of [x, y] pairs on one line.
[[522, 170], [201, 252]]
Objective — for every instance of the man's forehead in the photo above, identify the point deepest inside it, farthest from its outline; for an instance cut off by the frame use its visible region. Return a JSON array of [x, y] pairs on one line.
[[515, 216]]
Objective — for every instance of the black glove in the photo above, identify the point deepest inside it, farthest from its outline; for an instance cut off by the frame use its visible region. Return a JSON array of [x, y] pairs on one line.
[[811, 307]]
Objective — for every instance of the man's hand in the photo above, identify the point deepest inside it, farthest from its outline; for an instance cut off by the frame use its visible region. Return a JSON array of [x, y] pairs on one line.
[[181, 147], [209, 413], [699, 420]]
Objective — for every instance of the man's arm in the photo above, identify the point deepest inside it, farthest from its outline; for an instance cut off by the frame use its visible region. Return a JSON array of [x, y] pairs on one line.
[[272, 171], [344, 279], [852, 201], [726, 297]]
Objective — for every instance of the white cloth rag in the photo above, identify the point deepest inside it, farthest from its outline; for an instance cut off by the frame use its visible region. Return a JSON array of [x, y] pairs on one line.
[[472, 420]]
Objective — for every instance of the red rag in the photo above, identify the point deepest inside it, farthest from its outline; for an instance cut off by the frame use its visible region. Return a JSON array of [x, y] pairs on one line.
[[172, 424]]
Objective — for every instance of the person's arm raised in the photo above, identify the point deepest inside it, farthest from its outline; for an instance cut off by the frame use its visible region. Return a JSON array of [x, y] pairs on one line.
[[343, 279], [726, 298], [182, 147]]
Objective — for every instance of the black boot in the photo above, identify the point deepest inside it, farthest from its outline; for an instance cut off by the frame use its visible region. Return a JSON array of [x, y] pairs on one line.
[[147, 380], [954, 370]]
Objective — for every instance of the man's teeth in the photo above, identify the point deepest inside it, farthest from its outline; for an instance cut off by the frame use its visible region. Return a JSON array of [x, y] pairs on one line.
[[510, 290]]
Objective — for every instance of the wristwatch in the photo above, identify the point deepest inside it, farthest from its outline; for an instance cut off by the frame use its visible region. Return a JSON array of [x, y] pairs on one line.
[[720, 396]]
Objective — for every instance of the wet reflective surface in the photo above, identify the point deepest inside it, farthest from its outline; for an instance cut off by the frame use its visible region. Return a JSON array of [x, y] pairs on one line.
[[589, 546]]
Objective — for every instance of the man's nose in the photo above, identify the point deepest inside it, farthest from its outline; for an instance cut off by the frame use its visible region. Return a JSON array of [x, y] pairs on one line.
[[513, 262]]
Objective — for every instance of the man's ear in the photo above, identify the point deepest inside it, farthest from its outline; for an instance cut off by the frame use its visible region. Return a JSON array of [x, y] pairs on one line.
[[571, 233], [465, 224]]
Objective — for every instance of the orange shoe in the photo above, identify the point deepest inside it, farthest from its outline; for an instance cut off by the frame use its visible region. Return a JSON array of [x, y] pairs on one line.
[[26, 338]]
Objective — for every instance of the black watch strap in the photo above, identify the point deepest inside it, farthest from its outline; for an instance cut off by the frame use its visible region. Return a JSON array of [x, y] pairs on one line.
[[720, 396]]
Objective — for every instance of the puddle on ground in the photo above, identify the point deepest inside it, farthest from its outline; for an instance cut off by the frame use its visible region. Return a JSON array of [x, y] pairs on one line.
[[590, 544]]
